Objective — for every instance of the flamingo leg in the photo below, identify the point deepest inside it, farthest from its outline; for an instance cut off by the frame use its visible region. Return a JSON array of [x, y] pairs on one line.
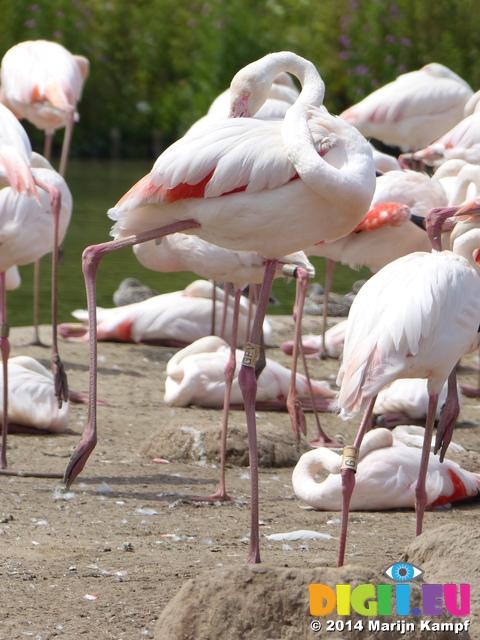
[[91, 261], [5, 348], [60, 376], [248, 385], [329, 266], [448, 416], [420, 489], [226, 296], [221, 493], [67, 138], [348, 480]]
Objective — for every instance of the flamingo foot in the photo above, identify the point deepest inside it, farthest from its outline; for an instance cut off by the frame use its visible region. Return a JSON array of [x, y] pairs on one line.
[[80, 456], [220, 495], [35, 342], [322, 440], [60, 380], [391, 420]]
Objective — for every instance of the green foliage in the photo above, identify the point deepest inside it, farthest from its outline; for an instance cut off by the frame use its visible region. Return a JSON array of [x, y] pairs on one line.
[[156, 65]]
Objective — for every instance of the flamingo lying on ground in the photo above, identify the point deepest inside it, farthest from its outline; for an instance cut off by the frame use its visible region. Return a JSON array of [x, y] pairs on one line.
[[170, 319], [386, 477], [313, 345], [405, 401], [246, 184], [32, 404], [195, 375], [415, 318], [413, 110]]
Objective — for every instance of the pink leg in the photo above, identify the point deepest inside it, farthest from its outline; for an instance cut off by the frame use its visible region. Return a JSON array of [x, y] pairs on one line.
[[226, 296], [61, 384], [214, 307], [5, 348], [67, 137], [221, 493], [348, 481], [448, 416], [248, 386], [294, 405], [91, 261], [329, 266], [420, 489]]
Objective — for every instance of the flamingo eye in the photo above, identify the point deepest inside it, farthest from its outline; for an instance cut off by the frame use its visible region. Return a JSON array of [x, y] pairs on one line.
[[402, 572], [246, 94]]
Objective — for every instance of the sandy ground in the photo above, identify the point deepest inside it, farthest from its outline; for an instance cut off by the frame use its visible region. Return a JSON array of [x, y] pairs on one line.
[[104, 559]]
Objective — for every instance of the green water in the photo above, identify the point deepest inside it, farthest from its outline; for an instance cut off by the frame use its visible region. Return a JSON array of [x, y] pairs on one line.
[[96, 186]]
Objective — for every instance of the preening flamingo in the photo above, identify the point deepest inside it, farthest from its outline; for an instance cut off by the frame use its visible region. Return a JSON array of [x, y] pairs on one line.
[[413, 110], [172, 319], [386, 477], [415, 318], [195, 376], [246, 184]]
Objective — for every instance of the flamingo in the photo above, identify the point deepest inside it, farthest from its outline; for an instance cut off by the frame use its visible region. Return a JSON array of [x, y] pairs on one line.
[[386, 477], [23, 208], [170, 319], [32, 403], [245, 184], [413, 110], [414, 318], [403, 401], [195, 376], [461, 141], [313, 345], [42, 82]]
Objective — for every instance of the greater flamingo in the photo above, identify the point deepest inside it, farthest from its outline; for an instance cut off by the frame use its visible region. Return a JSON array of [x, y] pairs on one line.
[[33, 405], [195, 376], [170, 319], [461, 141], [405, 401], [386, 477], [413, 110], [246, 184], [42, 82], [415, 318]]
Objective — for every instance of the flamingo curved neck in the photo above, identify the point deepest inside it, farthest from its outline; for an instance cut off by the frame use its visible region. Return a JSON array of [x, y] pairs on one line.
[[467, 246]]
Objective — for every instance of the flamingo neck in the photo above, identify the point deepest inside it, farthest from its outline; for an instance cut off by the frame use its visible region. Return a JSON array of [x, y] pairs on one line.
[[467, 246]]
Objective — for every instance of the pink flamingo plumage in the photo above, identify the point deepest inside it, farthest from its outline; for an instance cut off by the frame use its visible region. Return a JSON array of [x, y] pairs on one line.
[[415, 318], [246, 184], [413, 110], [386, 477]]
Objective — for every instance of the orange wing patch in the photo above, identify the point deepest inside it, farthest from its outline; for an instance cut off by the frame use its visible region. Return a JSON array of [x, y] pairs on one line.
[[384, 214]]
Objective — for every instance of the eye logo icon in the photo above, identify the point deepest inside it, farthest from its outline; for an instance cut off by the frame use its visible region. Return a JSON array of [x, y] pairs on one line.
[[402, 572]]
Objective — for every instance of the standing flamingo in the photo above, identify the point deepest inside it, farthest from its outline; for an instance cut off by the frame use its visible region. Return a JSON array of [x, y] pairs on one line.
[[246, 184], [386, 477], [28, 230], [42, 82], [413, 110], [415, 318]]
